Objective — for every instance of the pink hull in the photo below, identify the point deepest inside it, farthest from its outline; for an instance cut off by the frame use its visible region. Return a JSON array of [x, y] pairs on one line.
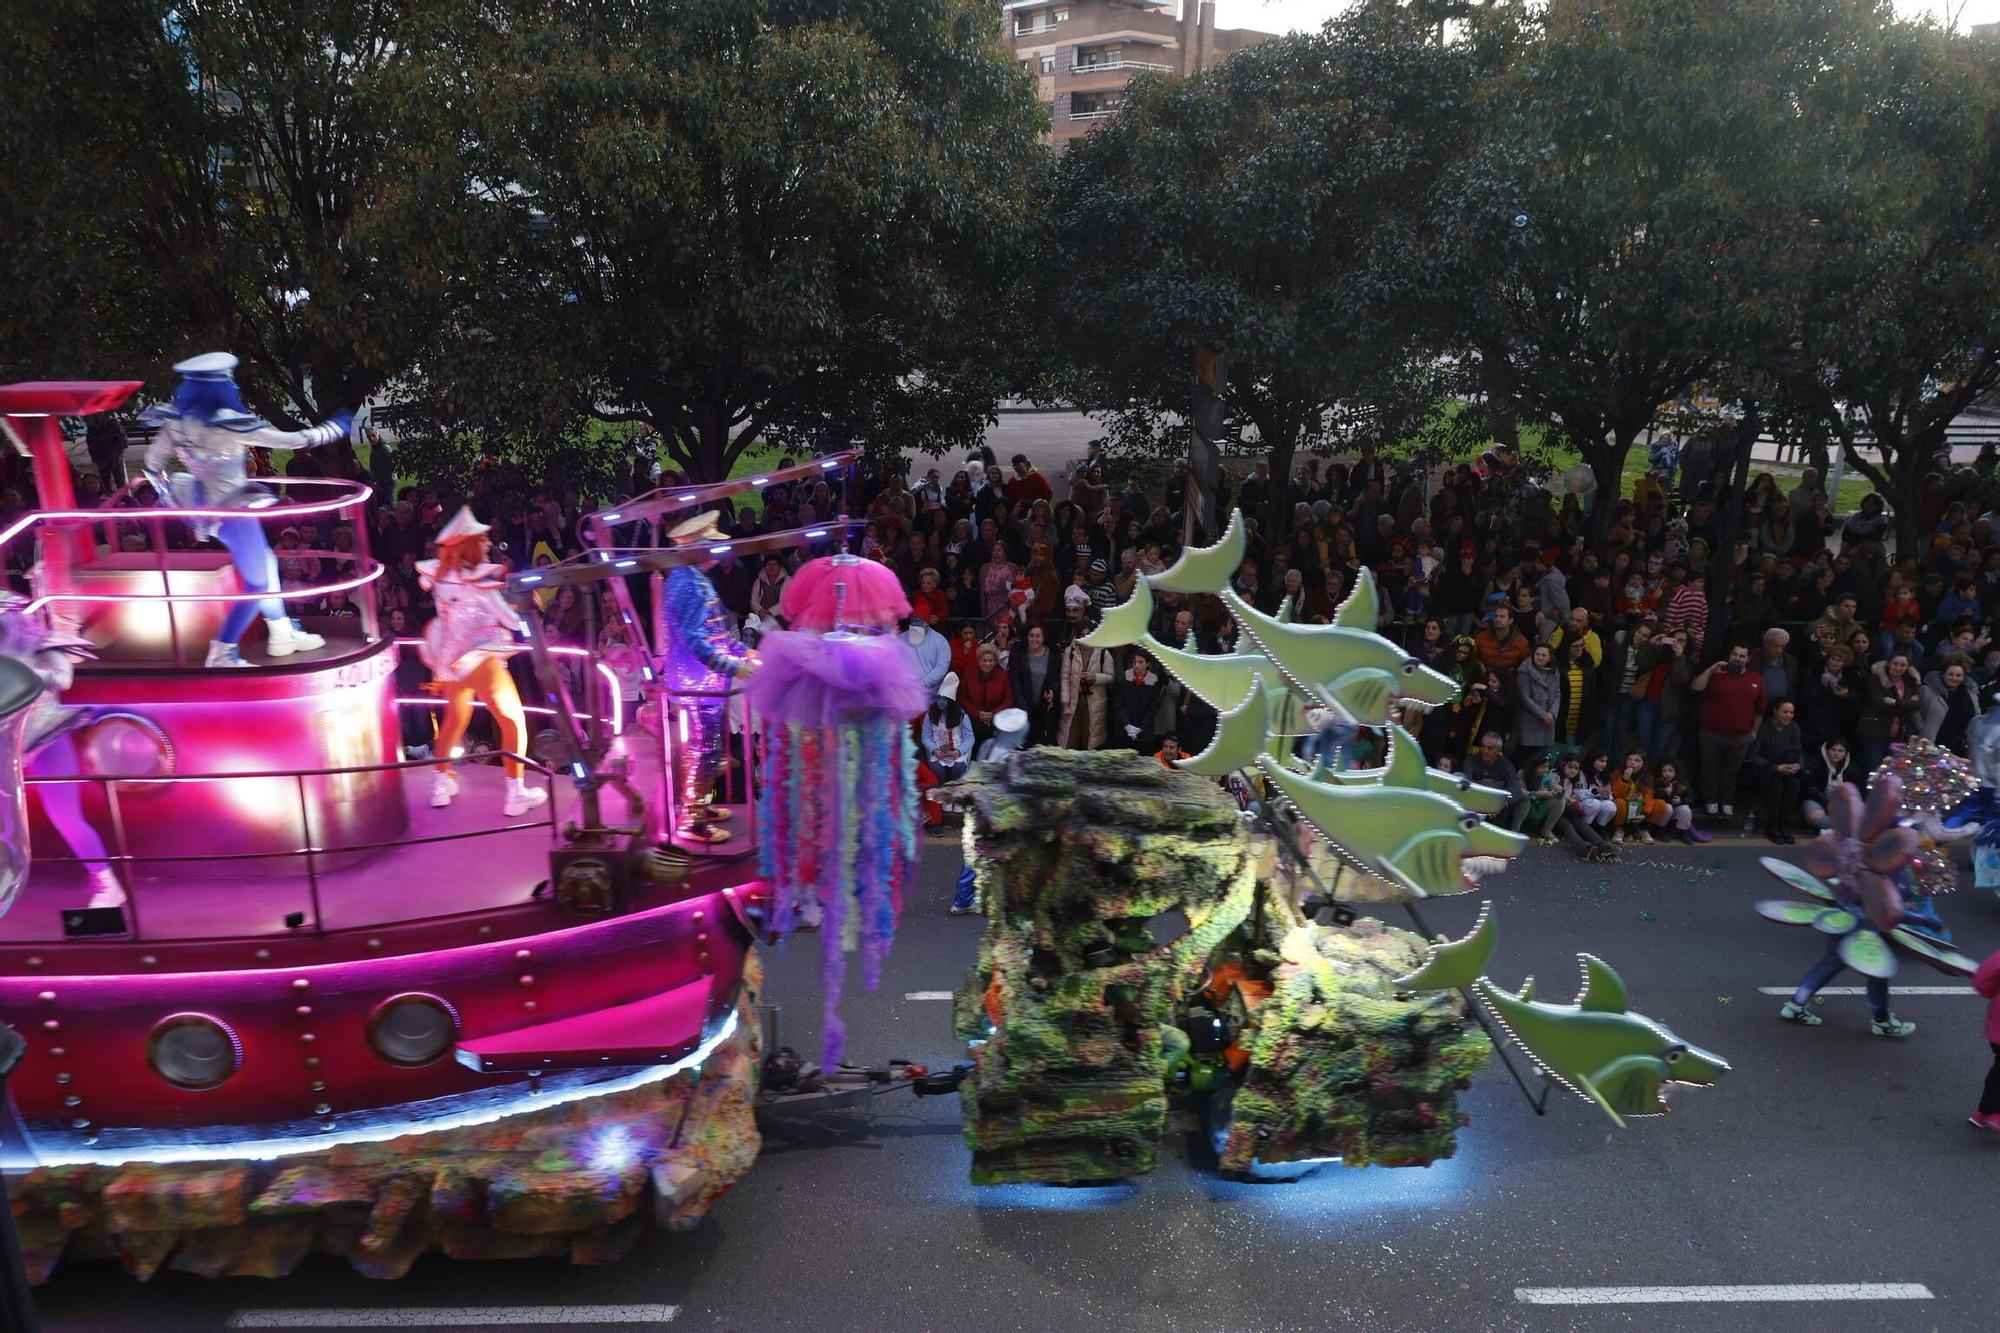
[[304, 1032]]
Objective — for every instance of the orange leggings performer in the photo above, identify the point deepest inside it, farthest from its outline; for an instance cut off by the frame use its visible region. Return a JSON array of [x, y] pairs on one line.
[[488, 681]]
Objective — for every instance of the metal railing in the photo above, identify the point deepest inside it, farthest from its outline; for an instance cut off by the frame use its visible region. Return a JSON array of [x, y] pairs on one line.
[[347, 503], [1098, 66], [1103, 114], [122, 858]]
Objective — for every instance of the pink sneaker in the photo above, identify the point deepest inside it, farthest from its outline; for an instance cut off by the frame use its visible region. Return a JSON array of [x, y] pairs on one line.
[[1985, 1120]]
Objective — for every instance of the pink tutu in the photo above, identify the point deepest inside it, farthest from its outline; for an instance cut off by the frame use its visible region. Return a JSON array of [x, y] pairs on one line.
[[819, 682], [874, 599]]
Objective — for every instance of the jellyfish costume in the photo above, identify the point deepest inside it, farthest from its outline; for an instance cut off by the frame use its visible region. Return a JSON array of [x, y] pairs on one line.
[[839, 806], [209, 432]]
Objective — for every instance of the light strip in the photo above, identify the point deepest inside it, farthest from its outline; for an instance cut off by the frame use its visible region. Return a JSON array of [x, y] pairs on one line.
[[282, 594], [271, 1150]]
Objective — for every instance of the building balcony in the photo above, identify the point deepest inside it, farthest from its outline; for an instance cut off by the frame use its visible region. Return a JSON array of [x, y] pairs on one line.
[[1103, 66]]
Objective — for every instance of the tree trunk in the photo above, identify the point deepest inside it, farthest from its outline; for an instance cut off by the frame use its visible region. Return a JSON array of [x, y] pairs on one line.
[[1607, 464], [1722, 561], [1277, 518]]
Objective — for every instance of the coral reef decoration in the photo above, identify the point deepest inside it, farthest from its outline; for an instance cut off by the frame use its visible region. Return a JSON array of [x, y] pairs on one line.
[[1084, 1023], [1342, 1065], [585, 1181], [1932, 778], [839, 803], [1067, 1010]]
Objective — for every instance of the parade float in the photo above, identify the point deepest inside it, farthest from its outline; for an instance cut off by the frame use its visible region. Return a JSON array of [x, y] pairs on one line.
[[1194, 935], [284, 991]]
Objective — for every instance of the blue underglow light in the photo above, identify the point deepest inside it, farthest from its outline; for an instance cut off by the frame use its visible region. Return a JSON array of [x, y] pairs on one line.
[[1055, 1198], [523, 1102], [612, 1149]]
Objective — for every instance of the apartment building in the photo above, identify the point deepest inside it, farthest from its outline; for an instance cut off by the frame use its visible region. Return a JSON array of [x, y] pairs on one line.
[[1082, 53]]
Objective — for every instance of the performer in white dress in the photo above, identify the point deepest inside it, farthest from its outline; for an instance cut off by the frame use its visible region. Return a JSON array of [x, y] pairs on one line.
[[466, 646]]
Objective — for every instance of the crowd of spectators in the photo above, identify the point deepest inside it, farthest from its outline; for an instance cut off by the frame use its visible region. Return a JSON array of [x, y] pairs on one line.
[[1605, 683]]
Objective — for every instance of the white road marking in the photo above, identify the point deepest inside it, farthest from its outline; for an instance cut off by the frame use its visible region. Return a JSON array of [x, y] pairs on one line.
[[465, 1317], [1810, 1291], [927, 995], [1863, 990]]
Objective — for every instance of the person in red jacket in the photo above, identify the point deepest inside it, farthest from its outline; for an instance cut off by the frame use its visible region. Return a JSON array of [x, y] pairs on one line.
[[1732, 700], [1987, 982], [1027, 485], [985, 692]]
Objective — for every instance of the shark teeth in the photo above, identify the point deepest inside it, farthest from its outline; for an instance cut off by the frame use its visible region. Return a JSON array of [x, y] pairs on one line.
[[1418, 704], [1476, 868]]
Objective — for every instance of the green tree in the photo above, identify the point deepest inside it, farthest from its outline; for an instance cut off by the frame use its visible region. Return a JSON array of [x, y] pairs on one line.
[[1264, 210], [1619, 230], [1899, 326], [744, 219], [187, 176]]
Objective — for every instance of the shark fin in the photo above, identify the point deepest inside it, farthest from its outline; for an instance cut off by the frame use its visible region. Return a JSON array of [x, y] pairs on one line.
[[1124, 623], [1209, 568], [1630, 1085], [1241, 734], [1455, 963], [1603, 989], [1362, 604], [1589, 1089], [1406, 762]]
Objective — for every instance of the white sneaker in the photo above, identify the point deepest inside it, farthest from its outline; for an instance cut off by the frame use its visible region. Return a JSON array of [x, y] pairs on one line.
[[522, 798], [1646, 836], [286, 637], [1711, 808], [222, 654], [105, 890], [443, 787], [1618, 835], [1729, 812]]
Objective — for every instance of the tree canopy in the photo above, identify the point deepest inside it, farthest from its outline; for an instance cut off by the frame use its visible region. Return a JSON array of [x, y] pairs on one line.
[[740, 220], [1264, 211]]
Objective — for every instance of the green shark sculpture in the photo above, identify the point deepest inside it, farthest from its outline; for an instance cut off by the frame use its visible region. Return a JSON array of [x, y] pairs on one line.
[[1345, 666], [1595, 1047], [1397, 829]]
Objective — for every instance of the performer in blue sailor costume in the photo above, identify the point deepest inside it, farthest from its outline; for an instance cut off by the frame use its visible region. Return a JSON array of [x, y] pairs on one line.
[[209, 432], [702, 653]]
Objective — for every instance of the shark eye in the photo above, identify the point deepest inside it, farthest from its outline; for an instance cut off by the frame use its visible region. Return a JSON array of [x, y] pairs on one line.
[[1468, 822], [1410, 666], [1673, 1054]]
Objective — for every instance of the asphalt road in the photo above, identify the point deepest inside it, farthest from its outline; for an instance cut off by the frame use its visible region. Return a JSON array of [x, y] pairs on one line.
[[1827, 1156]]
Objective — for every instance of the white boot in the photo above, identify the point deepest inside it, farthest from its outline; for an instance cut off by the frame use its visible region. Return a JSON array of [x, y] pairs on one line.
[[222, 654], [522, 798], [286, 638], [443, 787], [105, 890]]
